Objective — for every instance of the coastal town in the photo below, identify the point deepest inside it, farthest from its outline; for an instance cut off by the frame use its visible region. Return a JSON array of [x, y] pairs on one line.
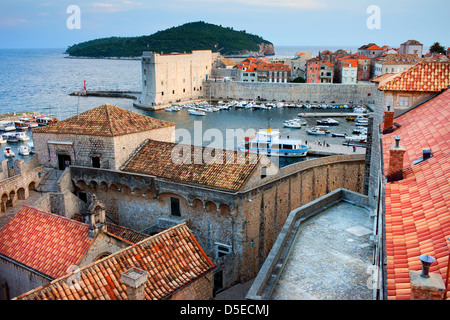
[[107, 205]]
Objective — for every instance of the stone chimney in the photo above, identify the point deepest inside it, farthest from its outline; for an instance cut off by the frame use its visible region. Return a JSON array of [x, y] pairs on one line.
[[388, 120], [135, 279], [396, 153], [426, 285], [95, 217]]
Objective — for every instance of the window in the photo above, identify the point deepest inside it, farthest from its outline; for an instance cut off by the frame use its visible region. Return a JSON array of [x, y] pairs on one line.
[[95, 162], [173, 91], [175, 207], [162, 93], [263, 172], [403, 101], [222, 249]]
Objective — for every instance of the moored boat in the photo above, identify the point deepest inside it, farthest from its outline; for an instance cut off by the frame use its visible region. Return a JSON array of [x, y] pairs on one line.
[[196, 112], [24, 150], [20, 125], [7, 126], [328, 122], [9, 153], [318, 130], [292, 124], [270, 143], [22, 136], [10, 137]]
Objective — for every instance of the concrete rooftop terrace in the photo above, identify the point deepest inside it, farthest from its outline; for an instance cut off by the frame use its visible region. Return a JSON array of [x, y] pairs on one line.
[[323, 253]]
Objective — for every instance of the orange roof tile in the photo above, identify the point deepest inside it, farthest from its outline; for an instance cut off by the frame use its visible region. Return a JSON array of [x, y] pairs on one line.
[[44, 241], [425, 76], [418, 206], [349, 63], [172, 258], [105, 120], [155, 158]]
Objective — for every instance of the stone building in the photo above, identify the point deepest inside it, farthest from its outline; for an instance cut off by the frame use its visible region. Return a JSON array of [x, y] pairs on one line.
[[411, 47], [235, 209], [395, 63], [37, 247], [167, 266], [319, 71], [171, 78], [102, 137], [416, 85], [370, 50]]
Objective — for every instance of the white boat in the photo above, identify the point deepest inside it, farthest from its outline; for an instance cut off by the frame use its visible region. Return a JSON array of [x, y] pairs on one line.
[[20, 125], [44, 121], [173, 109], [292, 124], [328, 122], [23, 150], [318, 130], [2, 141], [31, 122], [30, 147], [359, 109], [10, 137], [361, 119], [7, 126], [358, 139], [196, 112], [9, 153], [22, 136], [270, 143], [360, 130]]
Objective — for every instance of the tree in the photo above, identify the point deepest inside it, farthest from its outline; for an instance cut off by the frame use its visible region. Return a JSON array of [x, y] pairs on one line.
[[299, 80], [437, 48]]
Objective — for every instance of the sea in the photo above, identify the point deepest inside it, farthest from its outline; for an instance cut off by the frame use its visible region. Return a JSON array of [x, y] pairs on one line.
[[40, 80]]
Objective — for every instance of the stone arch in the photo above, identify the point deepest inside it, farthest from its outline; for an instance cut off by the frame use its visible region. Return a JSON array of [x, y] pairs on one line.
[[81, 184], [4, 202], [93, 185], [197, 204], [103, 186], [126, 190], [211, 206], [21, 195], [114, 187], [225, 209], [12, 198], [102, 255], [32, 186]]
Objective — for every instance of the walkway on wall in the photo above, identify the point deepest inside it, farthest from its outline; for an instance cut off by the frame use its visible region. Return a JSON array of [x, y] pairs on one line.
[[49, 184], [11, 211]]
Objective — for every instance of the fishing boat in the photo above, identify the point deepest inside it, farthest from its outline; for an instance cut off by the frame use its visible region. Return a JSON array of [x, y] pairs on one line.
[[196, 112], [7, 126], [23, 150], [270, 143], [318, 130], [328, 122], [9, 153], [10, 137]]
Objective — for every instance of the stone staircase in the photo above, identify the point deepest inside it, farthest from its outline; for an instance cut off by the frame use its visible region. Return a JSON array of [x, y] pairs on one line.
[[49, 183]]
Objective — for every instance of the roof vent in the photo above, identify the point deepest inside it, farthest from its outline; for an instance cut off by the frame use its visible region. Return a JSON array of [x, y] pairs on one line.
[[426, 263], [426, 154]]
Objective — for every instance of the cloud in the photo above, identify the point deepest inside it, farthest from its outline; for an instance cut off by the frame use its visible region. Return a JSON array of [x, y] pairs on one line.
[[12, 22], [107, 7]]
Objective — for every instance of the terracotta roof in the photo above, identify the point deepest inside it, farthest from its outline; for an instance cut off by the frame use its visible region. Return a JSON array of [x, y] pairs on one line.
[[105, 120], [125, 234], [44, 241], [327, 52], [418, 206], [172, 258], [370, 46], [273, 67], [426, 76], [347, 63], [328, 63], [361, 56], [408, 59], [228, 62], [155, 158]]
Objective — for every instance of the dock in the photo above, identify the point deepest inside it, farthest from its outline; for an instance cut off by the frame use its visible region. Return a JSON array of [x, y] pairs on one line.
[[330, 114], [102, 93], [334, 149]]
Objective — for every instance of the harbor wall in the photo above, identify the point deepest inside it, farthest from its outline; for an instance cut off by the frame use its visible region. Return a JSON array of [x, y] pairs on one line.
[[292, 92]]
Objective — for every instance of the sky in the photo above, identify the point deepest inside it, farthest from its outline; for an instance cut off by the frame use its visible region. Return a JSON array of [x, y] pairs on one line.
[[49, 24]]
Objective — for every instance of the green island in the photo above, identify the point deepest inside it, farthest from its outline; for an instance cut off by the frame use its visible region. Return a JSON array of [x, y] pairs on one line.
[[185, 38]]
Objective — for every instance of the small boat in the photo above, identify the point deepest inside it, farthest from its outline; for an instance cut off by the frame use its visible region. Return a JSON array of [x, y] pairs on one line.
[[357, 139], [292, 124], [350, 118], [318, 130], [44, 121], [173, 109], [9, 153], [30, 147], [339, 135], [7, 126], [359, 130], [196, 112], [328, 122], [23, 150], [10, 137], [359, 109], [270, 143], [362, 124], [22, 136]]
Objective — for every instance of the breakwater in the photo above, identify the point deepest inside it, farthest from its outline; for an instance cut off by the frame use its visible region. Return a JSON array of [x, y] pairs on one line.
[[106, 93]]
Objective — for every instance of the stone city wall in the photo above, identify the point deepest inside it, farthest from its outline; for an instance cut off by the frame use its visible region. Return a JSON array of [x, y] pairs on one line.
[[296, 92]]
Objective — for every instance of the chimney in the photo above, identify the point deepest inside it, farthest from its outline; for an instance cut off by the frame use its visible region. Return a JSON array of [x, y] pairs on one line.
[[388, 120], [396, 152], [426, 285], [135, 279]]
